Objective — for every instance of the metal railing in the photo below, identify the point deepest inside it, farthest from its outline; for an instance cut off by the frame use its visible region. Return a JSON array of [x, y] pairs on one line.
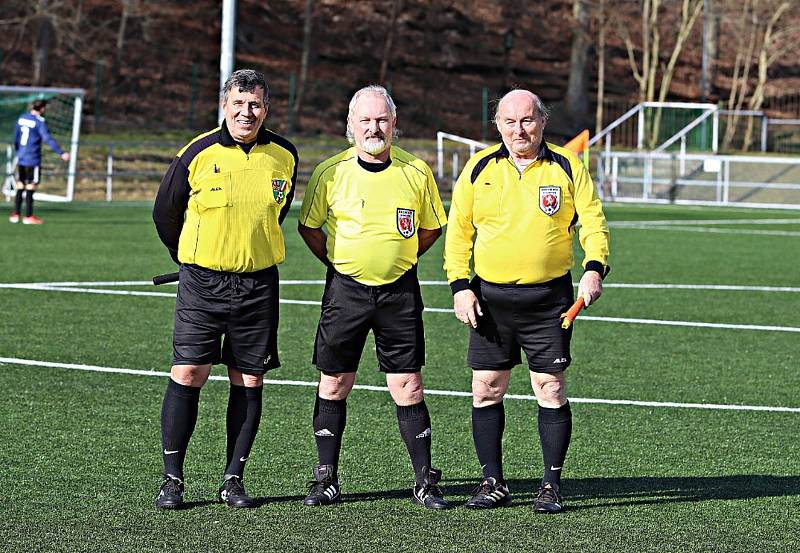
[[700, 179]]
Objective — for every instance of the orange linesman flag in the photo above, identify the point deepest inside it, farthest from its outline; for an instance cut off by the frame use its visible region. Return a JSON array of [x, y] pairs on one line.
[[579, 144]]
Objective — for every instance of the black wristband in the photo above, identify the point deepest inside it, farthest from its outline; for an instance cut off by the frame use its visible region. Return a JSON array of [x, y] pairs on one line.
[[597, 267], [458, 285]]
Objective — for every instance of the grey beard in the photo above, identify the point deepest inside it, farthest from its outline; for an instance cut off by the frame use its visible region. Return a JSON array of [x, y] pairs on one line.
[[373, 148]]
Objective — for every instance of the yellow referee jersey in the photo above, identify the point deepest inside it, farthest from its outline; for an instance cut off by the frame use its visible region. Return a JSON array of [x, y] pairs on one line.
[[220, 206], [522, 225], [372, 218]]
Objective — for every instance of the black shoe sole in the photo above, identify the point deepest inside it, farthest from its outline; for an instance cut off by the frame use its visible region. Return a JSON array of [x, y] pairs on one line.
[[315, 503], [547, 511], [492, 506], [169, 507], [232, 505], [434, 507]]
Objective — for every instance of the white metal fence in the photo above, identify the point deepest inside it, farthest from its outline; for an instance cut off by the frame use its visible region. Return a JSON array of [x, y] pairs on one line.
[[701, 179]]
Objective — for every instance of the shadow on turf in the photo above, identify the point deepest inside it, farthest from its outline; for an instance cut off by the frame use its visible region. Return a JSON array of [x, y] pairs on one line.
[[592, 493]]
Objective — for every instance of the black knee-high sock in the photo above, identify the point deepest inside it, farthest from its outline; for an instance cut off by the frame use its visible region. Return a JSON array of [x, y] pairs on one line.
[[178, 417], [555, 430], [330, 416], [244, 416], [488, 424], [28, 203], [415, 428], [18, 201]]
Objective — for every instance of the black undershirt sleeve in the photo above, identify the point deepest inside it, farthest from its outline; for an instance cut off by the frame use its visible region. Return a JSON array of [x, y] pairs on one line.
[[170, 206], [290, 196]]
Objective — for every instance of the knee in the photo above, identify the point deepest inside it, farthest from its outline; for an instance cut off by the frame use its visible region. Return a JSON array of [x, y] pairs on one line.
[[551, 393], [485, 393], [407, 391], [191, 375], [252, 380], [335, 386]]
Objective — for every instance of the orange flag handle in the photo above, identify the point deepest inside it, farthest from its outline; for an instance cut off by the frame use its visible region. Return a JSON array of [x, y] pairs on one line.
[[572, 313]]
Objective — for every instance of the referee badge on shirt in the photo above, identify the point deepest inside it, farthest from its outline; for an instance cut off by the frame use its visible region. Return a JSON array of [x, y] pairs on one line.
[[279, 189], [549, 199], [405, 222]]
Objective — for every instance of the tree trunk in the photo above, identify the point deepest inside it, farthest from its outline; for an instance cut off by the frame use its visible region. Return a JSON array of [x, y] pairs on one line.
[[301, 84], [764, 61], [741, 71], [577, 101], [127, 8], [397, 6], [689, 15], [646, 6], [601, 66], [44, 35], [710, 40]]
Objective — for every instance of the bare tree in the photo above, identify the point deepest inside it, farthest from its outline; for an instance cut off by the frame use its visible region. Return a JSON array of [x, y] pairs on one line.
[[651, 54], [771, 49], [741, 68], [768, 30]]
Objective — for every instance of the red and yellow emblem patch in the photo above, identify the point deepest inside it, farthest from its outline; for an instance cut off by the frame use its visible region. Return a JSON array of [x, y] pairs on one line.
[[549, 199], [405, 222]]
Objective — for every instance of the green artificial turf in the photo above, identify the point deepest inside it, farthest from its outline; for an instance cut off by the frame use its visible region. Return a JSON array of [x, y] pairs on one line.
[[80, 449]]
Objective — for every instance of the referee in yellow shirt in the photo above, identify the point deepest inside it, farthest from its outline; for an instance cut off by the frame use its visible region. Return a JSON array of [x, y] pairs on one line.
[[218, 211], [514, 211], [381, 210]]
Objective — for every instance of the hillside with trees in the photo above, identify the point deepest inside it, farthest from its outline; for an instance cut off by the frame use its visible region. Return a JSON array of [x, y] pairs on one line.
[[156, 64]]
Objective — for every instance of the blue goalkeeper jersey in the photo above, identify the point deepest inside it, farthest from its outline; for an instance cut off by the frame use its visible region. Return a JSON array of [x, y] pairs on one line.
[[30, 132]]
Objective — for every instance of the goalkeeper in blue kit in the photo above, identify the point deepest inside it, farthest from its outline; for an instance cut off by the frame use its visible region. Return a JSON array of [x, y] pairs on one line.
[[31, 130]]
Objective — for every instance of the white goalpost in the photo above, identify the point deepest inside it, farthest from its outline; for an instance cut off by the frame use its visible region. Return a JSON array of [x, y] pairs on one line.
[[64, 121]]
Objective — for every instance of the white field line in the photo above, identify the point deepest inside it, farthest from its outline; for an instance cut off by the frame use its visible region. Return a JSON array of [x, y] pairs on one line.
[[662, 322], [701, 222], [269, 382], [80, 286], [699, 225], [709, 230]]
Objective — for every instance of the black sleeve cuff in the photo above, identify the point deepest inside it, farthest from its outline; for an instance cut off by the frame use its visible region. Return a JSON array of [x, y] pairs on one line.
[[459, 285], [597, 267]]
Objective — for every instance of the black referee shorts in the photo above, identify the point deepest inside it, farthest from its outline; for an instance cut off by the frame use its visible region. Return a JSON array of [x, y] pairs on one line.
[[526, 316], [392, 311], [242, 307], [29, 174]]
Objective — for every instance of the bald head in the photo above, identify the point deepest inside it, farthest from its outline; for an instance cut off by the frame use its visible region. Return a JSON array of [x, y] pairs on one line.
[[525, 99], [521, 117]]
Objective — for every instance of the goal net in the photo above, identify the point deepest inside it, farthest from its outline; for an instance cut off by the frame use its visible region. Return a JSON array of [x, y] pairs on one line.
[[63, 116]]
